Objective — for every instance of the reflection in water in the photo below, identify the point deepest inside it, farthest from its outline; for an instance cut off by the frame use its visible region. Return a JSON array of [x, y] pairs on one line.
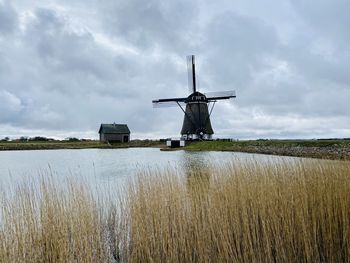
[[195, 160], [197, 171]]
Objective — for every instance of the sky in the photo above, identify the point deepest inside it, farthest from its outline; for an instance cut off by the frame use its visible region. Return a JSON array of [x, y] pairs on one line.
[[68, 66]]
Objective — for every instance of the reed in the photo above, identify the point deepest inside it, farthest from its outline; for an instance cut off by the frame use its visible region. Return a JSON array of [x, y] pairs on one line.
[[296, 211]]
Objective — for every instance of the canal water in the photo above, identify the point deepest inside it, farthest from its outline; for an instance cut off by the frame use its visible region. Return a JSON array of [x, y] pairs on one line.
[[109, 166]]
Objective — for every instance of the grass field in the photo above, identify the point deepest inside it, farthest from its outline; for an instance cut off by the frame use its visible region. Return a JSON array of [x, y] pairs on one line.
[[47, 145], [297, 211], [324, 149], [301, 143]]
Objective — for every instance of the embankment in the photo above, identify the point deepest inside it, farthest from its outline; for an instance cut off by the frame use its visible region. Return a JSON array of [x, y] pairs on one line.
[[323, 149]]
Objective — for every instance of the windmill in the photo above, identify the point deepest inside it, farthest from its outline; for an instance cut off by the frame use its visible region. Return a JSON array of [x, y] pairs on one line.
[[198, 107]]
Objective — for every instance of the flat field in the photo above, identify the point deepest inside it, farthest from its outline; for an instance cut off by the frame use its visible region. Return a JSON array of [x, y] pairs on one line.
[[324, 149], [48, 145]]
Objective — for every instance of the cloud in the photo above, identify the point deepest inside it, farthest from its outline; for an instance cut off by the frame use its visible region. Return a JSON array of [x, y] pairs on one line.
[[8, 19], [156, 24], [10, 106], [66, 67], [328, 19]]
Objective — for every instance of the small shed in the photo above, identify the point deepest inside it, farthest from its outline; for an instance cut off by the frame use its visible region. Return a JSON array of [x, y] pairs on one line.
[[114, 133]]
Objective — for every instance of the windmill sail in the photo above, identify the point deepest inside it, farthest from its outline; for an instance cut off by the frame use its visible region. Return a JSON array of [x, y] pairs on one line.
[[220, 95], [168, 104], [191, 73]]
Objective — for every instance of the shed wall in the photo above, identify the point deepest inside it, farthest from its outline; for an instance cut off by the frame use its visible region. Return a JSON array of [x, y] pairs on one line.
[[104, 137]]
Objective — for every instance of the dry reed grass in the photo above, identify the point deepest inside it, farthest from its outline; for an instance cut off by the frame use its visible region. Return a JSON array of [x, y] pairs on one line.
[[243, 212]]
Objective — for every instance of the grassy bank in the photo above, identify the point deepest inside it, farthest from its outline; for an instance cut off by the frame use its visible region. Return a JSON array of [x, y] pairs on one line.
[[324, 149], [243, 212], [47, 145]]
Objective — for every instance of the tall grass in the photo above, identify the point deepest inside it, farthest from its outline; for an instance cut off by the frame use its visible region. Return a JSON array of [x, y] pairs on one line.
[[243, 212]]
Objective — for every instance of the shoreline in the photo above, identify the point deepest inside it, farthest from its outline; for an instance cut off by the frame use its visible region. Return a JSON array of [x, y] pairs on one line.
[[79, 145], [300, 153], [320, 149], [330, 150]]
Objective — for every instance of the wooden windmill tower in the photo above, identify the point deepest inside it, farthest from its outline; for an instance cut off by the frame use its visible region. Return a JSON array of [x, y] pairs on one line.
[[197, 112]]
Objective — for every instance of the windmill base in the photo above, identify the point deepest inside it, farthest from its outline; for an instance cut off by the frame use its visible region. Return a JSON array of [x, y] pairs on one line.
[[195, 137]]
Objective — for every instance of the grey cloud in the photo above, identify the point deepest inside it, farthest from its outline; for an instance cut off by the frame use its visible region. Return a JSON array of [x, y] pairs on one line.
[[8, 18], [152, 24], [10, 106], [278, 79], [233, 52], [65, 51], [71, 82], [58, 76], [329, 19]]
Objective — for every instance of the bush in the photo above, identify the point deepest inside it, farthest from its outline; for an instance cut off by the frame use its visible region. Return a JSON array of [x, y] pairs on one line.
[[39, 138], [73, 139]]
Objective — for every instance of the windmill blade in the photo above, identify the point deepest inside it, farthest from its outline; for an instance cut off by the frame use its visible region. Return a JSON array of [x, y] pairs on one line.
[[168, 104], [191, 73], [220, 95], [169, 100]]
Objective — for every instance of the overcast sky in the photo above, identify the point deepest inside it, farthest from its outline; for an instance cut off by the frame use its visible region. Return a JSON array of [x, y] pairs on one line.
[[67, 66]]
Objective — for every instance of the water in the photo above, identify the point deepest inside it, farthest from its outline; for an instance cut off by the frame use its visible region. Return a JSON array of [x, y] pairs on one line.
[[106, 166]]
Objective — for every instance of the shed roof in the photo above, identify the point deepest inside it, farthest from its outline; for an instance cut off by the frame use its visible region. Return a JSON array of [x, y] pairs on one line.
[[114, 128]]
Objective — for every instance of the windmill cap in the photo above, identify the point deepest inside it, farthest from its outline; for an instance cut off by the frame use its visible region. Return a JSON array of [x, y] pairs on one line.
[[197, 96]]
